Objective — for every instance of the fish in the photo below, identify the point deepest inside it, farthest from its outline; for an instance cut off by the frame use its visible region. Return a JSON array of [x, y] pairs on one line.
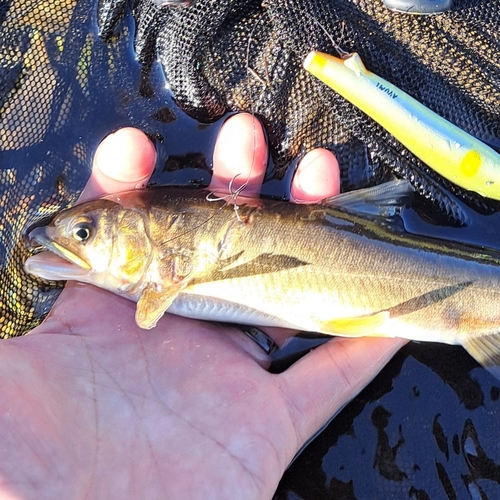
[[344, 266]]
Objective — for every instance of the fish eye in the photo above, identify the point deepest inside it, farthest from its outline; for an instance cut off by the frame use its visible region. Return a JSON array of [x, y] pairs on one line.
[[81, 233], [82, 230]]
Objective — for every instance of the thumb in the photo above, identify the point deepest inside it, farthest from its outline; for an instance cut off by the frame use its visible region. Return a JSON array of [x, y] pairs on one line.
[[317, 386]]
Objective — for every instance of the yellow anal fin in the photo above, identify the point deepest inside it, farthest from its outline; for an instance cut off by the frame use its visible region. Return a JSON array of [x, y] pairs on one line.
[[486, 351], [154, 302], [360, 326]]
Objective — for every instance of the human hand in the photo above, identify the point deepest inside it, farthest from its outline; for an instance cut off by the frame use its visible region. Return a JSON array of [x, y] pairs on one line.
[[93, 406]]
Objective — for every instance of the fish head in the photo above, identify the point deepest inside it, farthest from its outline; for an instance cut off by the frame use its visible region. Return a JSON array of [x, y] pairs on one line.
[[97, 242]]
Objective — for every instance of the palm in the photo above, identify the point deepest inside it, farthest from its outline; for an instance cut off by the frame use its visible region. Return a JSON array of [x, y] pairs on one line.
[[183, 390]]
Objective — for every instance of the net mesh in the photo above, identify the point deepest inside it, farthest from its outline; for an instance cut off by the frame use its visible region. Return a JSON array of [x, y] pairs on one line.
[[59, 94]]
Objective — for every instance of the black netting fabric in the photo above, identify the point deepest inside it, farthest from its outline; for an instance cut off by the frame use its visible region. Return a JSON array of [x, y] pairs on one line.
[[35, 103]]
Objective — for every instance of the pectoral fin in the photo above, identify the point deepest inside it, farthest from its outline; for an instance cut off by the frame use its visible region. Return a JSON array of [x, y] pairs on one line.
[[361, 326], [154, 302], [486, 351]]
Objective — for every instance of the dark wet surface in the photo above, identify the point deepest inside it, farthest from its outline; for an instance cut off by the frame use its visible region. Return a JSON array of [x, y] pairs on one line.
[[425, 428]]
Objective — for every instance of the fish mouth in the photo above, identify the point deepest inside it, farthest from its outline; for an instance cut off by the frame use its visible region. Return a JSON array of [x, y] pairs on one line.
[[55, 262]]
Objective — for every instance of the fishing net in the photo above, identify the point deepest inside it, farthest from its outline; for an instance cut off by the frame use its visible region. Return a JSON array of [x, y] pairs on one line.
[[69, 75]]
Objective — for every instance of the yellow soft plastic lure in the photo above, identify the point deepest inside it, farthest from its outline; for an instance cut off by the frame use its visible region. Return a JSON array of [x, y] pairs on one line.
[[453, 153]]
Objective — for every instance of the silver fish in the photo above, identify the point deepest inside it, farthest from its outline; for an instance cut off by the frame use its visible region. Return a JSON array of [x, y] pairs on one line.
[[342, 267]]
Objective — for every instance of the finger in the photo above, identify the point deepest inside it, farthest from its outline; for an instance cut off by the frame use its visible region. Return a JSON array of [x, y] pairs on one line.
[[317, 177], [317, 386], [123, 161], [240, 156], [280, 335], [247, 344]]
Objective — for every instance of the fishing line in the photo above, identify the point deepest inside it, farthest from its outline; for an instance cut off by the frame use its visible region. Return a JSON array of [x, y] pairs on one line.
[[208, 219], [235, 193], [233, 196], [341, 52], [252, 112]]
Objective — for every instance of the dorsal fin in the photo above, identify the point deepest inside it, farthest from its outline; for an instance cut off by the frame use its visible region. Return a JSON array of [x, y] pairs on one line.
[[384, 201]]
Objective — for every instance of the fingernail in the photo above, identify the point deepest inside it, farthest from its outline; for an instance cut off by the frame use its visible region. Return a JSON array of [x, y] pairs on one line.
[[316, 177], [126, 156]]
